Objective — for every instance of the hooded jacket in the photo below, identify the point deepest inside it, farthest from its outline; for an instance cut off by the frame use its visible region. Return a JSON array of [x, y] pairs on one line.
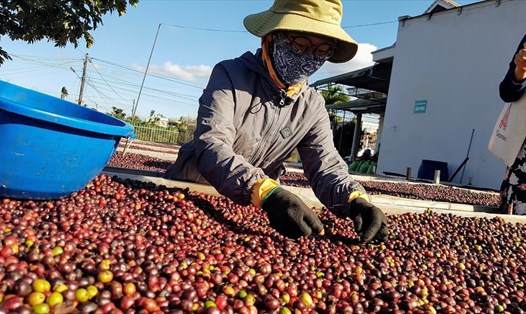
[[247, 127]]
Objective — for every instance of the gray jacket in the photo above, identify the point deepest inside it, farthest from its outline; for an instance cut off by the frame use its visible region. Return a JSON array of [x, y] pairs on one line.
[[247, 128]]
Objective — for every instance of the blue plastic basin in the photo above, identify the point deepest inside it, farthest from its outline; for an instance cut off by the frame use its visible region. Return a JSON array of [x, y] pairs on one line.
[[50, 147]]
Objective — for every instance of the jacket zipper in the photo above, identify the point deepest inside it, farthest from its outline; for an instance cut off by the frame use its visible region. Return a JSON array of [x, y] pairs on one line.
[[277, 110]]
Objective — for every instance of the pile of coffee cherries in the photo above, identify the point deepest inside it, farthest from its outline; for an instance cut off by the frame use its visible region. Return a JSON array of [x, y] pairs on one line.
[[123, 246]]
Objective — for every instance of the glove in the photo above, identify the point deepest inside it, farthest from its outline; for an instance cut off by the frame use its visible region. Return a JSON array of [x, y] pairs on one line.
[[369, 221], [289, 216]]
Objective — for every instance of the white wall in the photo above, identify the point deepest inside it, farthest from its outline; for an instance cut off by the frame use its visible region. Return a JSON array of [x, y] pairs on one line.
[[455, 62]]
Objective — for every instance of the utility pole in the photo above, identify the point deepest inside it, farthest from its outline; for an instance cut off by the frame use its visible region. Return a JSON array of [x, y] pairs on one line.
[[134, 109], [83, 79]]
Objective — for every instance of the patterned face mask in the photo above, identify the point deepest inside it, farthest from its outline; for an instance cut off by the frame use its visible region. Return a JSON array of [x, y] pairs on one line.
[[292, 65]]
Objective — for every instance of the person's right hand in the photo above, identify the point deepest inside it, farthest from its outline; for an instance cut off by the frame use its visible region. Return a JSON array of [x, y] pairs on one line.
[[520, 64], [290, 216]]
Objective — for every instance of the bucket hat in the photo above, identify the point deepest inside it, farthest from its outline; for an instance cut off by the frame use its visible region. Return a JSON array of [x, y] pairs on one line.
[[319, 17]]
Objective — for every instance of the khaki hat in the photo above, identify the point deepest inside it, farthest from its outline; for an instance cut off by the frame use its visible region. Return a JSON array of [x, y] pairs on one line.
[[320, 17]]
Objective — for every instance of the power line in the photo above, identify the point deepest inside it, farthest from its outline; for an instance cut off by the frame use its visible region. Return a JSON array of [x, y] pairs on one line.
[[244, 31], [103, 96], [153, 75], [115, 83], [369, 24], [163, 92], [97, 70], [64, 63], [206, 29]]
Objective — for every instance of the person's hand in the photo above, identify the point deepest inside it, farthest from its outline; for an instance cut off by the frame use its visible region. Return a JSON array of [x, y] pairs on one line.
[[290, 216], [520, 64], [369, 221]]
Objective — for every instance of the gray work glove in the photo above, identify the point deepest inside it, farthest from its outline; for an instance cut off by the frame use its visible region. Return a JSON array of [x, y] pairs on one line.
[[369, 221], [289, 215]]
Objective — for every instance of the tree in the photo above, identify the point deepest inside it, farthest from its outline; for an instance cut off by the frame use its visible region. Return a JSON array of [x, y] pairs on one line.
[[64, 93], [157, 118], [342, 132], [335, 94], [118, 113], [59, 21]]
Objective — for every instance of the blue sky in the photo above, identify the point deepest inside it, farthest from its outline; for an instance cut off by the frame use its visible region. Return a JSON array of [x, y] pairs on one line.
[[192, 37]]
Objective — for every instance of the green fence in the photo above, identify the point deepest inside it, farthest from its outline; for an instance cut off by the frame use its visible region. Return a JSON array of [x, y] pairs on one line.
[[163, 135]]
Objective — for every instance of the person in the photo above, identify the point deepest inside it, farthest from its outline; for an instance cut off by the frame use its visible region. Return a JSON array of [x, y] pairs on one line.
[[366, 155], [511, 88], [257, 108]]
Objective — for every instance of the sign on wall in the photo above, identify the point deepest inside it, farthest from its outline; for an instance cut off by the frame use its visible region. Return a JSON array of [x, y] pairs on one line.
[[420, 106]]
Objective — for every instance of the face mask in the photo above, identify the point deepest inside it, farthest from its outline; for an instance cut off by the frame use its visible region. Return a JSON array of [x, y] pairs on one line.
[[291, 65]]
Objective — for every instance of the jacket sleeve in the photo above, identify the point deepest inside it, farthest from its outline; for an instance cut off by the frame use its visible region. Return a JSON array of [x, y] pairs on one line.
[[216, 160], [509, 89], [324, 167]]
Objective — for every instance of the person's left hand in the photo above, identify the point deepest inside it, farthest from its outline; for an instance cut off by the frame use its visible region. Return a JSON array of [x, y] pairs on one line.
[[369, 221]]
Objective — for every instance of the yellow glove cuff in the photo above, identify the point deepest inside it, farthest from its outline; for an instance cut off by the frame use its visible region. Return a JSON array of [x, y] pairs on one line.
[[357, 194], [260, 189]]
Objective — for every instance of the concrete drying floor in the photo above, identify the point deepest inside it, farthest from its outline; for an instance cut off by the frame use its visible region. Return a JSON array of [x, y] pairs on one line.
[[390, 204]]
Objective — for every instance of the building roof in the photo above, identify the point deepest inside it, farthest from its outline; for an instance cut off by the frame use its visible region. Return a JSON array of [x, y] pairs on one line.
[[375, 78], [356, 106], [441, 5]]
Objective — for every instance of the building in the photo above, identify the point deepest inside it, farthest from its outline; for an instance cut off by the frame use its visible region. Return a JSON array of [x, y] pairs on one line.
[[440, 81]]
